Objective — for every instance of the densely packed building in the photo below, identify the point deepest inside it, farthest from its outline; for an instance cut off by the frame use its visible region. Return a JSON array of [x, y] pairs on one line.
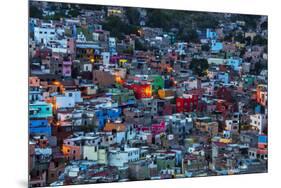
[[111, 102]]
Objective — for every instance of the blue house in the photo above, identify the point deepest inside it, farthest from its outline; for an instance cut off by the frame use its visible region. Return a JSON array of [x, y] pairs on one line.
[[262, 139], [223, 77], [39, 127], [211, 34], [107, 114], [235, 63], [258, 109], [216, 46]]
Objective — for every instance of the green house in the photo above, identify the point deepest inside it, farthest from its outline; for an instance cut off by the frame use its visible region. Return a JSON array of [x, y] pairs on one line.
[[165, 162], [158, 83], [40, 110], [248, 81], [122, 96]]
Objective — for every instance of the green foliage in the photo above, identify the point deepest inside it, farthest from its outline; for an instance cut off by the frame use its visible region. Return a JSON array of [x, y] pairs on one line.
[[139, 46], [259, 40], [73, 13], [35, 12], [133, 15], [57, 16], [159, 18], [199, 66], [259, 66], [239, 37], [129, 50], [228, 37], [205, 47], [85, 32], [183, 20], [188, 36], [91, 7], [264, 25], [250, 20], [248, 40], [118, 28]]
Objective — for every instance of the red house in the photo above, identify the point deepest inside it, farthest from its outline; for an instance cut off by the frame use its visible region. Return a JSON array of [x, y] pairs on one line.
[[187, 103], [141, 90], [225, 94], [225, 107]]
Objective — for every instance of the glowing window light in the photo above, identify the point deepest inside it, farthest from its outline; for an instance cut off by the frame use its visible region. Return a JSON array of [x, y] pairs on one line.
[[148, 91], [92, 60]]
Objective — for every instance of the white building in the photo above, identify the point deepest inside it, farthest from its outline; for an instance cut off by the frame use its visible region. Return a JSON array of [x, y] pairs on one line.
[[232, 125], [44, 35], [120, 158], [74, 94], [58, 46], [258, 121], [63, 101], [93, 152], [105, 58], [133, 154]]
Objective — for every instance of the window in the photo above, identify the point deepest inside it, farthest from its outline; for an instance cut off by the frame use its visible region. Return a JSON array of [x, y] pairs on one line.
[[70, 94]]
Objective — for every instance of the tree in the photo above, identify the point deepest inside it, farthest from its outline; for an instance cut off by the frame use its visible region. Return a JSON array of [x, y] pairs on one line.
[[259, 40], [239, 37], [74, 13], [139, 45], [158, 18], [205, 47], [248, 40], [228, 37], [259, 66], [35, 12], [264, 25], [133, 16], [188, 35], [118, 28], [199, 66]]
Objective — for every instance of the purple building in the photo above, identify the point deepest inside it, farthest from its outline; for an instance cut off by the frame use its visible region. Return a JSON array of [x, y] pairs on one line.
[[66, 68]]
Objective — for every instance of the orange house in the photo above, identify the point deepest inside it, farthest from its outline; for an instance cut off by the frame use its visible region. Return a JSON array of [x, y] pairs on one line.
[[71, 152], [261, 95]]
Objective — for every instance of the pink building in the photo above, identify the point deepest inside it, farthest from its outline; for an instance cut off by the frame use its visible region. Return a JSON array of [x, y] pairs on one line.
[[158, 128], [71, 46], [34, 81], [66, 68]]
